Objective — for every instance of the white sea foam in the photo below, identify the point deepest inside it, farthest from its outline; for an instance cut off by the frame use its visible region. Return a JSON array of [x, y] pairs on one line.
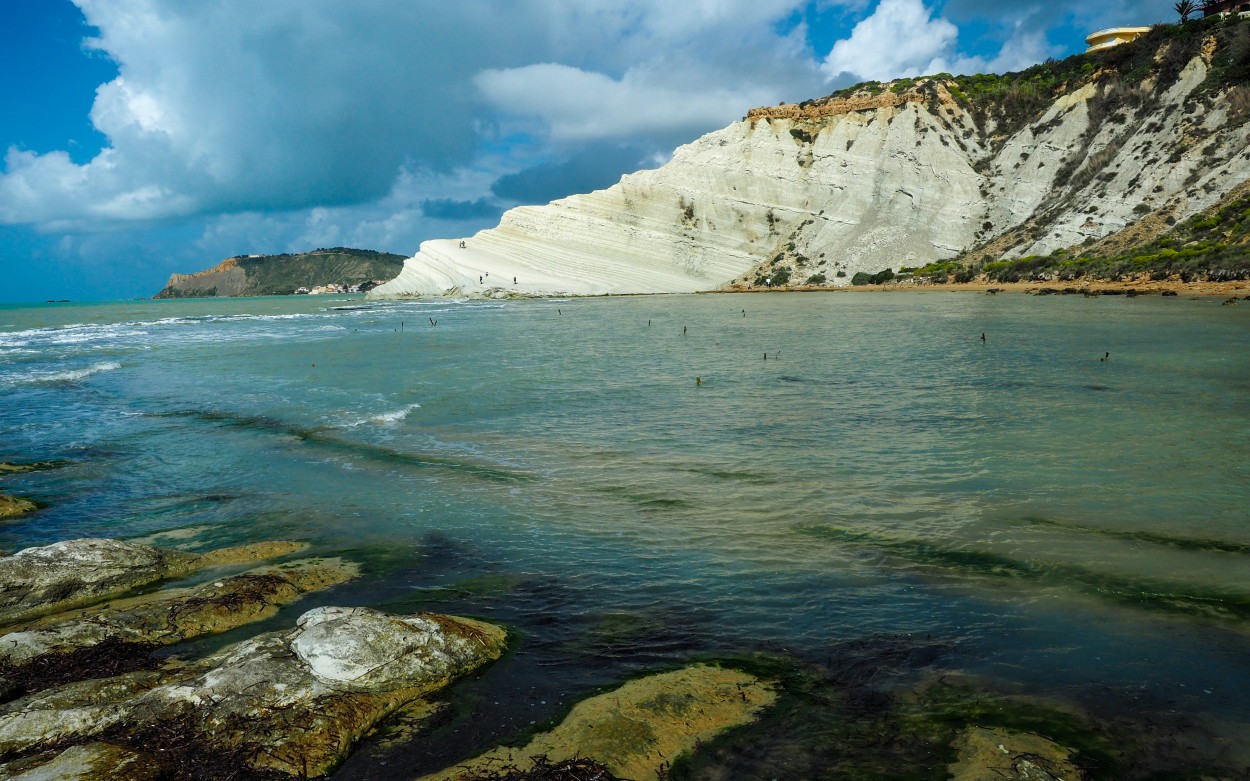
[[67, 336], [71, 375], [386, 418]]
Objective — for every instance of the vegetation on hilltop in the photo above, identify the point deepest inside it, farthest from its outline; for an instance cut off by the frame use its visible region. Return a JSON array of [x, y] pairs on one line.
[[1012, 100]]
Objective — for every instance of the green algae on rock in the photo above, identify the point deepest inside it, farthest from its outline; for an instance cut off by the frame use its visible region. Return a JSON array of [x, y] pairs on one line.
[[637, 730], [9, 468], [998, 754], [14, 506], [870, 712]]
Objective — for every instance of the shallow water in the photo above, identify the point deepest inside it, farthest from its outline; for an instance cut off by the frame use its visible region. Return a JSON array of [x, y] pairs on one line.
[[1070, 527]]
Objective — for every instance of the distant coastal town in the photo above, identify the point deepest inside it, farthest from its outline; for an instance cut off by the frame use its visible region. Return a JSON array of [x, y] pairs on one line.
[[333, 288]]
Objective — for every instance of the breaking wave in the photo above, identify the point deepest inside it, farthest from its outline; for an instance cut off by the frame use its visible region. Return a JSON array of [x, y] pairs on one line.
[[70, 376], [386, 418]]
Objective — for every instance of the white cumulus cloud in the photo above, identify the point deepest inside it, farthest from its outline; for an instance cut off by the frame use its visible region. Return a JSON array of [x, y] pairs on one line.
[[900, 38], [583, 105]]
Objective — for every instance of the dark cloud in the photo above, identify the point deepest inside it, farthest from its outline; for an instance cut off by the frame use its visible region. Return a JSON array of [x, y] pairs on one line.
[[447, 209]]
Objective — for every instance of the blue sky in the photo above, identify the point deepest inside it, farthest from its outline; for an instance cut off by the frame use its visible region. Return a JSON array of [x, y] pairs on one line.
[[145, 137]]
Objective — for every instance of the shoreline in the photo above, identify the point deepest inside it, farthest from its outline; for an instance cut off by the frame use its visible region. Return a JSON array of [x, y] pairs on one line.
[[1237, 288]]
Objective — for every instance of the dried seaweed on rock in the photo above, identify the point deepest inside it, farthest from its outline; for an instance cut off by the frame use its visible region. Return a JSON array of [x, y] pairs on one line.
[[103, 660]]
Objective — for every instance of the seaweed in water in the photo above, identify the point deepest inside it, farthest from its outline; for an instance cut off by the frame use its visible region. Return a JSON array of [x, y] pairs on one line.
[[545, 770]]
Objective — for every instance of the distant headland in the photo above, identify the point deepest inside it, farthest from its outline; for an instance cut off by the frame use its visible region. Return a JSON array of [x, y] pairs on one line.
[[335, 270]]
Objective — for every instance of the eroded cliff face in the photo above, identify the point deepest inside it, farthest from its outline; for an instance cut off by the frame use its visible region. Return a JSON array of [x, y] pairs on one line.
[[892, 175], [227, 278]]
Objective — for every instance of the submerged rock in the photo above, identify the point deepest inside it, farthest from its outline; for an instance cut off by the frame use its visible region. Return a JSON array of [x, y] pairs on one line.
[[246, 554], [74, 573], [100, 643], [7, 468], [637, 730], [998, 754], [13, 506]]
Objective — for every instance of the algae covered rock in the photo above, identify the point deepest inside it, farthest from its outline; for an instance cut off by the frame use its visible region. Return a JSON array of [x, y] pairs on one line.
[[13, 506], [73, 573], [637, 730], [290, 703], [997, 754], [9, 468]]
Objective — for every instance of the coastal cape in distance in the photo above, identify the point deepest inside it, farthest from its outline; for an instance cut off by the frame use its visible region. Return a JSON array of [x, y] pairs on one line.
[[1124, 164], [351, 270]]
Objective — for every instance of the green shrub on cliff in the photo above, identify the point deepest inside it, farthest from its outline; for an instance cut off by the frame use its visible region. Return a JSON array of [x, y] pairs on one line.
[[880, 278]]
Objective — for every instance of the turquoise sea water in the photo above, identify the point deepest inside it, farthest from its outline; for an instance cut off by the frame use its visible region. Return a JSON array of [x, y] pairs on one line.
[[1061, 525]]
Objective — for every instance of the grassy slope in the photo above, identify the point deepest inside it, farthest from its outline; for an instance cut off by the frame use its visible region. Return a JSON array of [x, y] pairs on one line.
[[1213, 245]]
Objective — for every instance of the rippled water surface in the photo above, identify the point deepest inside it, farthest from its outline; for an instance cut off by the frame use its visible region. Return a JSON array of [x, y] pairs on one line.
[[844, 467]]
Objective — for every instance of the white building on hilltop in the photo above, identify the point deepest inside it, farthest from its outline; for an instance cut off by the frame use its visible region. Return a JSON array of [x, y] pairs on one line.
[[1113, 36]]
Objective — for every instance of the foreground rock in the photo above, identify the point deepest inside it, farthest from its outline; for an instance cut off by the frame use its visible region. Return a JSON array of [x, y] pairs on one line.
[[997, 754], [71, 713], [292, 703], [117, 637], [639, 729], [64, 575], [297, 702]]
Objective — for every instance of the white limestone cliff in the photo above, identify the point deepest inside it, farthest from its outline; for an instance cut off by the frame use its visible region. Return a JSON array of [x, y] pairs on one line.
[[861, 184]]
